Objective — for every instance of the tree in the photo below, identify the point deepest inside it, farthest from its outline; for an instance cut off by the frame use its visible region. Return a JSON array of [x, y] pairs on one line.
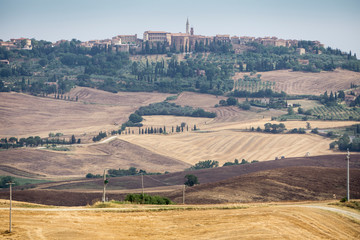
[[301, 110], [191, 180], [73, 139], [341, 95], [135, 118], [290, 111], [231, 101], [5, 180], [344, 142]]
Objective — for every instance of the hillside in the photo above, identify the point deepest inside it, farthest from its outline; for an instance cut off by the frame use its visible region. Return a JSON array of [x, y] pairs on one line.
[[306, 83], [226, 145], [304, 178], [85, 159], [285, 184], [23, 115]]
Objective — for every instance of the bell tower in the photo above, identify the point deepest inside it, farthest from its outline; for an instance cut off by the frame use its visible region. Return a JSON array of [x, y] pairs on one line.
[[187, 26]]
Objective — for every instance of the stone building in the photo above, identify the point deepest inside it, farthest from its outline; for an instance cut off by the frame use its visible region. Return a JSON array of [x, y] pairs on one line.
[[157, 36]]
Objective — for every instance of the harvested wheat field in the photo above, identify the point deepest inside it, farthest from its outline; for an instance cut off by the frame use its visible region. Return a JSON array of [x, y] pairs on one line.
[[227, 145], [247, 125], [285, 221], [85, 159], [24, 115], [308, 83]]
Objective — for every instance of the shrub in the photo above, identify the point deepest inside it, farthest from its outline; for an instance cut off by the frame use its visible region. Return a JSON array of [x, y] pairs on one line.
[[147, 199], [315, 130]]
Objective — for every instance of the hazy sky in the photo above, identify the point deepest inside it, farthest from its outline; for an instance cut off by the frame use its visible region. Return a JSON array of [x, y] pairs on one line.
[[335, 23]]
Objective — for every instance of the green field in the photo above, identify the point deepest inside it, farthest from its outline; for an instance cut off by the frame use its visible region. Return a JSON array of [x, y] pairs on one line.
[[338, 112]]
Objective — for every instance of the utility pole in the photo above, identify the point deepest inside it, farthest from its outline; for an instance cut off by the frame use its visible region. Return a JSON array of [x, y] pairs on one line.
[[348, 175], [142, 184], [10, 184], [184, 194], [142, 187], [105, 183]]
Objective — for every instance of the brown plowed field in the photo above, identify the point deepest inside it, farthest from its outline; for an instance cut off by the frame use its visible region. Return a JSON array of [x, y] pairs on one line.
[[309, 83], [84, 159], [285, 184], [253, 222], [24, 115], [304, 178]]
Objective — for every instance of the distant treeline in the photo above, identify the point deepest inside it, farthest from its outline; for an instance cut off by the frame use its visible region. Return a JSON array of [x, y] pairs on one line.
[[31, 141], [132, 171]]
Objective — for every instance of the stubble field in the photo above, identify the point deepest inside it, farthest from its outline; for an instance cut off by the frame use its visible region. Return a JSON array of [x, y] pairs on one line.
[[262, 221], [227, 145], [24, 115], [309, 83]]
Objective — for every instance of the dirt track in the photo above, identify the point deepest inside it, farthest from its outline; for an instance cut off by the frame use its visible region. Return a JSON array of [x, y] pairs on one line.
[[255, 222]]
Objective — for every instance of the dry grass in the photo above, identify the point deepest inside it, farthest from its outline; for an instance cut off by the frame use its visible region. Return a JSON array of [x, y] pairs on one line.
[[255, 222], [84, 159], [309, 83], [226, 145], [24, 115]]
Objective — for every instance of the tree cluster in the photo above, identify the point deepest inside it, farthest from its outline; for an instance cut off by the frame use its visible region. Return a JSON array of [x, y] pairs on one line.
[[100, 136], [205, 164]]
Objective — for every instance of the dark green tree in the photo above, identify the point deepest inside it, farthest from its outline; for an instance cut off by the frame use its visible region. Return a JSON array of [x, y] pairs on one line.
[[73, 139], [191, 180]]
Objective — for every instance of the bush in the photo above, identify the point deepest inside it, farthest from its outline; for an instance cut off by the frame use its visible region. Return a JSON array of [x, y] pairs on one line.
[[245, 106], [147, 199], [315, 130]]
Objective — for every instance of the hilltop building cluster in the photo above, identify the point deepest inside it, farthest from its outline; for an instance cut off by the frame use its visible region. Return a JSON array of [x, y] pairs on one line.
[[19, 43], [180, 42]]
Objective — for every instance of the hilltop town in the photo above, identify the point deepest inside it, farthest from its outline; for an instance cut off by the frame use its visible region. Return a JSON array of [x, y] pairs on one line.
[[168, 42]]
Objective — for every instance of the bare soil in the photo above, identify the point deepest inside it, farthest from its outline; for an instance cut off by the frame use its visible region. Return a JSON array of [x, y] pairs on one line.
[[309, 83]]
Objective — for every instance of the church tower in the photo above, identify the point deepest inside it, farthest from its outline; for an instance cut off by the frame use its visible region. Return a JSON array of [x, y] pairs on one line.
[[187, 26]]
